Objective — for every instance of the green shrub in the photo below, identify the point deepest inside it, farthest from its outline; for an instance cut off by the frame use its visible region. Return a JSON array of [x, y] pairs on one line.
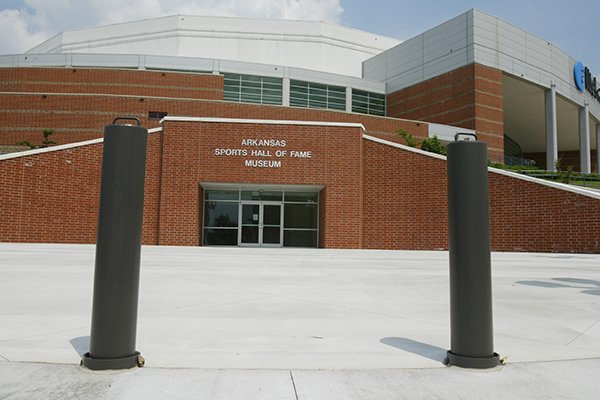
[[513, 167], [45, 143], [408, 138], [433, 145]]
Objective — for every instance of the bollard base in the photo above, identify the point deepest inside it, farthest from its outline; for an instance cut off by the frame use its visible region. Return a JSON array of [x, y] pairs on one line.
[[98, 364], [472, 362]]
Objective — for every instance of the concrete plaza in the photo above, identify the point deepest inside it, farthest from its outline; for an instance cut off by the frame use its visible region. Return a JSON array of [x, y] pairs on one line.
[[234, 323]]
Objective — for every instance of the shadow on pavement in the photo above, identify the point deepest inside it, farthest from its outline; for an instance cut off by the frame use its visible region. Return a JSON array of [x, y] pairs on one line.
[[412, 346], [81, 344], [589, 286]]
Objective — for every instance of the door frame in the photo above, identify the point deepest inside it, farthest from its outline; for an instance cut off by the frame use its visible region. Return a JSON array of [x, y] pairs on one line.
[[261, 214]]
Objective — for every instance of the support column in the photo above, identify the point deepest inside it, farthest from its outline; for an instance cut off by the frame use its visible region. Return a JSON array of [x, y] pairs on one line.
[[551, 129], [216, 69], [285, 92], [348, 99], [141, 62], [584, 139]]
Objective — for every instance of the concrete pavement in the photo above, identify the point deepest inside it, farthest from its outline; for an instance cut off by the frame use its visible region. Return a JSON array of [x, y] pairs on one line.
[[232, 323]]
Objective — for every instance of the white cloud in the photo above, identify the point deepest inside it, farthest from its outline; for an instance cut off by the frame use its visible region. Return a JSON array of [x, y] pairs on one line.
[[39, 20], [15, 33]]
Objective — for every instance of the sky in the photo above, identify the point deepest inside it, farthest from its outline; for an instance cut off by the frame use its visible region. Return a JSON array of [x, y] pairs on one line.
[[572, 26]]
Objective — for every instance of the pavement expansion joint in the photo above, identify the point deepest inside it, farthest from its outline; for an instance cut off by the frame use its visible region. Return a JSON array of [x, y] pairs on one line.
[[294, 385], [582, 333]]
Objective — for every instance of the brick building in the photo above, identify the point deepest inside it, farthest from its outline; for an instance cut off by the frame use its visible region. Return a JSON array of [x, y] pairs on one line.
[[298, 145]]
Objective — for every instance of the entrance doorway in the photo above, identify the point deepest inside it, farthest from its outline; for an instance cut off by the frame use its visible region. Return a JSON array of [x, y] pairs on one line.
[[260, 215], [261, 224]]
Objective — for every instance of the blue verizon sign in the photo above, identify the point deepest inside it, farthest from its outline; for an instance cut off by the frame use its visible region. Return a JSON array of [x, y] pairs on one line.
[[585, 81]]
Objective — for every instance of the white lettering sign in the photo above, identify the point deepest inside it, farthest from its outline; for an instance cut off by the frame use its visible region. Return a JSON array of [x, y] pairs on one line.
[[262, 163], [265, 154], [301, 154], [231, 152], [264, 142]]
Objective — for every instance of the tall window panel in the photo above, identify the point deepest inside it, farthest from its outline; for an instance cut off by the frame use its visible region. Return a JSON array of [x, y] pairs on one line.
[[316, 95], [253, 89], [368, 102], [221, 211], [301, 219]]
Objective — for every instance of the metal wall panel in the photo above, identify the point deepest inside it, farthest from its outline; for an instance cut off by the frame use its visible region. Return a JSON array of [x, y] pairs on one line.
[[445, 64], [477, 37], [444, 39], [179, 63]]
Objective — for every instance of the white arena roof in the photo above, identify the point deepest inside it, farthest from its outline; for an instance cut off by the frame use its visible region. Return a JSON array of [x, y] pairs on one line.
[[317, 46]]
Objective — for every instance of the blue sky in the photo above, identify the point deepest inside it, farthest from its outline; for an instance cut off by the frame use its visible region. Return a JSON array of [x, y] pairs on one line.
[[572, 26]]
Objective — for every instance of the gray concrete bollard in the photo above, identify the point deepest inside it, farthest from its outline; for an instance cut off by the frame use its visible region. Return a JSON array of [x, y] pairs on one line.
[[472, 343], [118, 248]]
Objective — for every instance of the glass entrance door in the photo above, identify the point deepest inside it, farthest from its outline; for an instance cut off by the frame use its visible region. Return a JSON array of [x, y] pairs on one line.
[[261, 224]]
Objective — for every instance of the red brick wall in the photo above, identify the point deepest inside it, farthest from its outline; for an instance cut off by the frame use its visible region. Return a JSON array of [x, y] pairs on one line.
[[469, 97], [112, 81], [77, 105], [405, 199], [375, 196], [189, 159], [152, 187], [405, 207], [529, 217], [76, 118], [54, 197], [51, 197]]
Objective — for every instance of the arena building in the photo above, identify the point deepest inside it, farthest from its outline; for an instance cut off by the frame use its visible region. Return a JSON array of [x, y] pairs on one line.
[[285, 133]]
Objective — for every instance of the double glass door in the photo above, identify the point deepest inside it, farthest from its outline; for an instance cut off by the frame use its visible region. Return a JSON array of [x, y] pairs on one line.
[[261, 224]]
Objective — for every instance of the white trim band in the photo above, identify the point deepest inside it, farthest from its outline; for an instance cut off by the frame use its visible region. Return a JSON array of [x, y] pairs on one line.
[[403, 147], [35, 152], [264, 122], [68, 146]]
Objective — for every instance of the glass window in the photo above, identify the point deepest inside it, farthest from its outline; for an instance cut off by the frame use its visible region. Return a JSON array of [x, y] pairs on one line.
[[250, 234], [271, 235], [292, 238], [157, 114], [253, 89], [222, 195], [226, 219], [250, 214], [317, 95], [299, 102], [302, 216], [368, 102], [220, 237], [231, 87], [263, 195], [250, 97], [250, 195], [302, 197], [221, 214], [299, 86], [272, 215]]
